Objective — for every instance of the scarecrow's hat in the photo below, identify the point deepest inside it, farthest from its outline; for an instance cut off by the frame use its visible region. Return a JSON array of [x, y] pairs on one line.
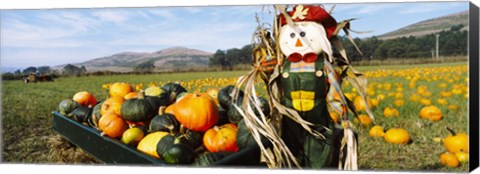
[[312, 13]]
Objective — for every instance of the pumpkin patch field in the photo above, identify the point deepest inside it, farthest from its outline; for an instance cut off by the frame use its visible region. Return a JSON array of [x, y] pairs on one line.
[[420, 111]]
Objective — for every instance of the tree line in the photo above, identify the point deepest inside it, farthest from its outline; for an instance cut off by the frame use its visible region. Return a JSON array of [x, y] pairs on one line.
[[452, 42]]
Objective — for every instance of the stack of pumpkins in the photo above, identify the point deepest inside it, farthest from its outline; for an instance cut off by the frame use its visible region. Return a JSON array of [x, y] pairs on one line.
[[167, 122], [457, 149]]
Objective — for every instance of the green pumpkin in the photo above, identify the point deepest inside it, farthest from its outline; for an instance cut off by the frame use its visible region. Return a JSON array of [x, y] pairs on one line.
[[264, 106], [181, 95], [82, 114], [140, 108], [166, 122], [179, 154], [170, 93], [95, 117], [166, 142], [66, 106], [224, 96], [192, 138], [208, 158], [233, 115], [223, 117], [244, 137]]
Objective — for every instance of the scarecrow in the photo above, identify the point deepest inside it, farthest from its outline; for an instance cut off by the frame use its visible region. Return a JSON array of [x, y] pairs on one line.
[[303, 64]]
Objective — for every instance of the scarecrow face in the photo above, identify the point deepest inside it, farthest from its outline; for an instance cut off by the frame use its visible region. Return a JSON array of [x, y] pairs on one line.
[[302, 38]]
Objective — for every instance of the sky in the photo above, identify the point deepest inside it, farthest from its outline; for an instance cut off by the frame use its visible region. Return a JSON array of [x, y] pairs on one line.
[[50, 37]]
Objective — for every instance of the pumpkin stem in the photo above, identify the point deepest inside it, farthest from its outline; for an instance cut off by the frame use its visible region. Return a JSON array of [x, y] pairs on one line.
[[182, 129], [451, 131], [199, 149], [141, 94], [161, 110]]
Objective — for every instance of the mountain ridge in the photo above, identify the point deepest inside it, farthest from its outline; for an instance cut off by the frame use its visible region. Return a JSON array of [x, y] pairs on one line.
[[429, 26]]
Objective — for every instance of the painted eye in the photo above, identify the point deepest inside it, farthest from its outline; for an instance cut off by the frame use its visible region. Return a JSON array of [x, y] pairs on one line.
[[292, 35], [302, 34]]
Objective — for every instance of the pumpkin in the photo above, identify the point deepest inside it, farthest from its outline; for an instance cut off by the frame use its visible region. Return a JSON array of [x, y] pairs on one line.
[[169, 110], [120, 89], [81, 113], [192, 138], [449, 160], [213, 92], [166, 142], [376, 131], [244, 136], [462, 157], [223, 114], [170, 93], [66, 106], [165, 122], [96, 115], [130, 95], [179, 154], [364, 119], [360, 104], [431, 112], [154, 91], [148, 144], [223, 138], [197, 112], [224, 96], [132, 136], [112, 104], [233, 115], [390, 112], [140, 108], [85, 98], [112, 125], [456, 142], [397, 136], [209, 158]]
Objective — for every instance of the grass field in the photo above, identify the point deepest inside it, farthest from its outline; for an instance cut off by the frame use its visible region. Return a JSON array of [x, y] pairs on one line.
[[26, 113]]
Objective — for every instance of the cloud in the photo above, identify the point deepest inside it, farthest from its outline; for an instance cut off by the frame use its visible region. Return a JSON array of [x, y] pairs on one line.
[[372, 8], [112, 16]]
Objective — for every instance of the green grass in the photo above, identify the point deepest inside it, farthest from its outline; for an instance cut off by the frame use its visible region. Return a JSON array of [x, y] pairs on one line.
[[27, 136]]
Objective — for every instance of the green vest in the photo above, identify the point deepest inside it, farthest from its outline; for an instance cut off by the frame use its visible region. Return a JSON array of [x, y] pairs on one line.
[[305, 89]]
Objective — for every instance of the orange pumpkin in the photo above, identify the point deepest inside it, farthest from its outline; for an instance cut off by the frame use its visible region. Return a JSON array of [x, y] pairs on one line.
[[376, 131], [112, 125], [431, 113], [223, 138], [131, 95], [120, 89], [456, 142], [85, 98], [449, 160], [169, 109], [197, 112], [112, 104], [361, 105], [390, 112], [364, 119], [397, 136]]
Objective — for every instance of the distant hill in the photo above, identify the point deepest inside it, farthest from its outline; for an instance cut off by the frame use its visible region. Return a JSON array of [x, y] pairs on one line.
[[165, 60], [429, 26]]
